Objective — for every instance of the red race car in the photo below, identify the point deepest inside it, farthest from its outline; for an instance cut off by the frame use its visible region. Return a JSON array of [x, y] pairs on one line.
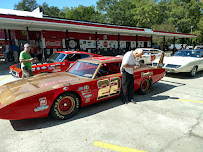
[[57, 62], [61, 94]]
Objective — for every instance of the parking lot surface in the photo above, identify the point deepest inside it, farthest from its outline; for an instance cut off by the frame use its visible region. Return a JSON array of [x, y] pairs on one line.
[[168, 119]]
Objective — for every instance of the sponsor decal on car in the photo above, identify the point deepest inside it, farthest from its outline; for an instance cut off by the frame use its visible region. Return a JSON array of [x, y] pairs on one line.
[[43, 67], [50, 68], [58, 67], [43, 105], [33, 69], [65, 80], [47, 84], [86, 87], [88, 96], [80, 88], [56, 70], [146, 74], [50, 83], [87, 100], [38, 68], [65, 88]]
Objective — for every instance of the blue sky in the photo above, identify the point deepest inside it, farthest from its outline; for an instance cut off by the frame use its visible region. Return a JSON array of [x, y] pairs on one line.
[[9, 4]]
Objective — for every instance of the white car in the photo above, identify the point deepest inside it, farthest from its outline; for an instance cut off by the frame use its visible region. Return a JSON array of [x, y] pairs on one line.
[[150, 54], [199, 47], [190, 61]]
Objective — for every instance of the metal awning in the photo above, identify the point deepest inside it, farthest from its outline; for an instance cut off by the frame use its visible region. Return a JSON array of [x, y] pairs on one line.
[[14, 22]]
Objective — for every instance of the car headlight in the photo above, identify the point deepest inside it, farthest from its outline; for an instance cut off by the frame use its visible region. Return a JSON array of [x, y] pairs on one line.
[[154, 64]]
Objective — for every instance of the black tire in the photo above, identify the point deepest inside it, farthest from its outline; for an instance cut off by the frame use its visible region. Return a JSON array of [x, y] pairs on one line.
[[193, 72], [65, 106], [145, 86], [141, 61]]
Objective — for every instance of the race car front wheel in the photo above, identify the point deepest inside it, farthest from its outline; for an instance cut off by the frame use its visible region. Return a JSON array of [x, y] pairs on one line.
[[145, 86], [65, 106]]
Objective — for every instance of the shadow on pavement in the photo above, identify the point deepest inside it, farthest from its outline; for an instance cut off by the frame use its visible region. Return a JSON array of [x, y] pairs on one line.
[[39, 123]]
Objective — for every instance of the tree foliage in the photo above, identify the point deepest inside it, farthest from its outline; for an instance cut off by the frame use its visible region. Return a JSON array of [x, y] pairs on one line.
[[52, 11], [162, 15], [80, 13], [26, 5]]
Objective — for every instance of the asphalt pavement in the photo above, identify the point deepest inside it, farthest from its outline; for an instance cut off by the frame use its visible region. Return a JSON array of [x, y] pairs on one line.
[[168, 119]]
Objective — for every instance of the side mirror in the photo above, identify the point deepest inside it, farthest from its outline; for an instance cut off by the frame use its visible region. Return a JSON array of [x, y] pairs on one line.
[[66, 60]]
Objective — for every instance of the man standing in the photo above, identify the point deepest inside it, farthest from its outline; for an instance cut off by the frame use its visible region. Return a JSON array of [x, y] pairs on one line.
[[129, 62], [14, 50], [25, 60]]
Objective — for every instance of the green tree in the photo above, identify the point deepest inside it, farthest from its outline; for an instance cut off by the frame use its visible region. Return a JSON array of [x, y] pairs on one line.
[[184, 14], [117, 12], [167, 27], [82, 13], [52, 11], [26, 5]]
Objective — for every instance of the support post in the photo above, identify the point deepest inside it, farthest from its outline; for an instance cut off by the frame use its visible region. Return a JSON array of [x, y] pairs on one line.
[[9, 37], [151, 41], [118, 43], [5, 36], [67, 45], [96, 42], [164, 41], [174, 43], [28, 36], [136, 41]]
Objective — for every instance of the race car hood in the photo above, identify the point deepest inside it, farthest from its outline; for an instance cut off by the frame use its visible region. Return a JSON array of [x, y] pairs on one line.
[[176, 60], [40, 83]]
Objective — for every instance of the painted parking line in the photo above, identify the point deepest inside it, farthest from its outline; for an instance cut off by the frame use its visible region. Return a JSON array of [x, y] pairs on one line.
[[115, 147], [190, 100], [5, 77]]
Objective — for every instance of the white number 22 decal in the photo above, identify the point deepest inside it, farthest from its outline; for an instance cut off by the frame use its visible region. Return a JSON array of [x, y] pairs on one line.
[[108, 88]]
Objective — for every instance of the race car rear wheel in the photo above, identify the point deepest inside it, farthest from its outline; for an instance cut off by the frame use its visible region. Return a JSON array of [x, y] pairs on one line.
[[193, 72], [65, 106], [145, 86]]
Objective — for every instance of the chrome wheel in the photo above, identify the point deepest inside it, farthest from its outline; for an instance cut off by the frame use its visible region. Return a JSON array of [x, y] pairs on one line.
[[193, 71]]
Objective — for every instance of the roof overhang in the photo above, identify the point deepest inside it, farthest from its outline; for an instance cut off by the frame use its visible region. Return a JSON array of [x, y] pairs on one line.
[[14, 22]]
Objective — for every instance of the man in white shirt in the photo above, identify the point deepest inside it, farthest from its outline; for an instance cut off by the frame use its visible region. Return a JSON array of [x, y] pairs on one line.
[[129, 62]]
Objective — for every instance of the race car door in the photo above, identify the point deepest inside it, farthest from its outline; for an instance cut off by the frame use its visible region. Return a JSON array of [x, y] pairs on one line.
[[108, 82]]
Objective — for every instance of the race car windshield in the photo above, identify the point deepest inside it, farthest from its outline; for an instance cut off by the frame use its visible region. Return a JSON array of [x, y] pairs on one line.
[[56, 57], [183, 53], [84, 69]]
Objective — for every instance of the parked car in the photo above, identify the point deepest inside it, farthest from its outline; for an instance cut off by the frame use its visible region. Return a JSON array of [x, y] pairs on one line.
[[190, 61], [199, 47], [57, 62], [178, 46], [2, 56], [61, 94], [150, 54], [189, 47]]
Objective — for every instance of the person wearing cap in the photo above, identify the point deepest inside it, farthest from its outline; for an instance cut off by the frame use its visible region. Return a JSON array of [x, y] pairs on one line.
[[129, 62], [26, 61]]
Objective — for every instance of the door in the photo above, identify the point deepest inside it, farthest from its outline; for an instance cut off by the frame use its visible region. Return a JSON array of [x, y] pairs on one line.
[[128, 46], [145, 44]]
